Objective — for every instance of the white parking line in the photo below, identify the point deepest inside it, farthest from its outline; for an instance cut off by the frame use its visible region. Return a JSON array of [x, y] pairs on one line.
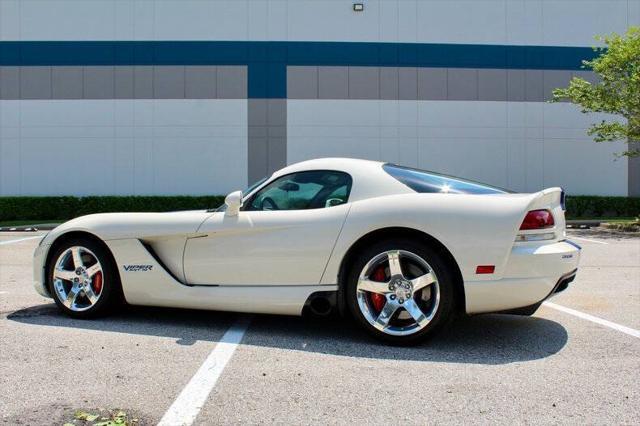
[[187, 406], [588, 239], [613, 325], [18, 240]]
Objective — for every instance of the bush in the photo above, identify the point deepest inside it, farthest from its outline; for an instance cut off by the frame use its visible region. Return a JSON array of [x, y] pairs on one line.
[[581, 206], [65, 208]]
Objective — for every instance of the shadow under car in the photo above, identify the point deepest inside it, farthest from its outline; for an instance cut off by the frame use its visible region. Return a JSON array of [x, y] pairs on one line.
[[484, 339]]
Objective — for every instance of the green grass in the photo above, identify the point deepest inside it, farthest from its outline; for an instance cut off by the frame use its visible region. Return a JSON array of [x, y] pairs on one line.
[[622, 220]]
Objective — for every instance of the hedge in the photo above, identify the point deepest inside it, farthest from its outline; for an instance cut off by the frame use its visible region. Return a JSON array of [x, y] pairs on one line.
[[64, 208], [595, 206]]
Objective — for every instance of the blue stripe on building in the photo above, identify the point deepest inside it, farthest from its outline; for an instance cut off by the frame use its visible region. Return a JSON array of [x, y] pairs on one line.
[[267, 60]]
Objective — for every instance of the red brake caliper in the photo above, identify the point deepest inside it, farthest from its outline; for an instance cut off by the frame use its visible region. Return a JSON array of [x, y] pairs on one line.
[[97, 282], [378, 300]]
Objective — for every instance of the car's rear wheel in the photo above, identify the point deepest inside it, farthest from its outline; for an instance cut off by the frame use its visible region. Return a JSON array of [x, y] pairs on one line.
[[83, 279], [400, 291]]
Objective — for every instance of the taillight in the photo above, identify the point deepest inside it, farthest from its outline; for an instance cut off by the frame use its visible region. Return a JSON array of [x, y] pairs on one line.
[[537, 219]]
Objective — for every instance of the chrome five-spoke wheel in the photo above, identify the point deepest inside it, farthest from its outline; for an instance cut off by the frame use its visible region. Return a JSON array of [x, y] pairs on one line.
[[78, 278], [398, 292]]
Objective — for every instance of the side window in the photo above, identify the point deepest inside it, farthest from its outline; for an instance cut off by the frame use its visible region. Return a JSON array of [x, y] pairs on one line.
[[304, 190]]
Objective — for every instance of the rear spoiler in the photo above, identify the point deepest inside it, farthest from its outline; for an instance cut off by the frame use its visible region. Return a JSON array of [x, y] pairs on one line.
[[550, 197]]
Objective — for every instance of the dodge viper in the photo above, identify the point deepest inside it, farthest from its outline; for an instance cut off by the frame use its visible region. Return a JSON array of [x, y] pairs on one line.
[[400, 250]]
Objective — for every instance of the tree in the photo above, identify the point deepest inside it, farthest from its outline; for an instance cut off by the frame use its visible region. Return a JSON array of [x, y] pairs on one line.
[[618, 91]]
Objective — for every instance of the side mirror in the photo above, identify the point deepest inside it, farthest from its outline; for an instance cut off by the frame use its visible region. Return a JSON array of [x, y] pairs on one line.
[[233, 202]]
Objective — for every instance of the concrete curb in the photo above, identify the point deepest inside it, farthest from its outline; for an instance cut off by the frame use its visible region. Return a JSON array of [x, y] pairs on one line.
[[583, 224]]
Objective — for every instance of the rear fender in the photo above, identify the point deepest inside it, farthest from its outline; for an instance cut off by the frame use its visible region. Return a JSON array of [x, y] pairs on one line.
[[476, 229]]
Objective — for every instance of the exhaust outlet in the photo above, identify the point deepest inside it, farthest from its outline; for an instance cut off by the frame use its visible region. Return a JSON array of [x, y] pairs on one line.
[[321, 304]]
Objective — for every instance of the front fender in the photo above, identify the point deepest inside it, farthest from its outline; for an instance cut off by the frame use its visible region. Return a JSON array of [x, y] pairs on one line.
[[39, 263]]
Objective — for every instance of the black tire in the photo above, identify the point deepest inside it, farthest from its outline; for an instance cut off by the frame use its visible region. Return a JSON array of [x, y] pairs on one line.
[[111, 291], [445, 310]]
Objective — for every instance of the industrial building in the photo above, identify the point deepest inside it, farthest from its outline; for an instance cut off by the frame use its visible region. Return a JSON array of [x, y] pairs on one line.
[[133, 97]]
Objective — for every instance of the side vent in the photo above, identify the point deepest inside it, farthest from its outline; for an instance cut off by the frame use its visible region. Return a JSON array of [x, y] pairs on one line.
[[153, 254]]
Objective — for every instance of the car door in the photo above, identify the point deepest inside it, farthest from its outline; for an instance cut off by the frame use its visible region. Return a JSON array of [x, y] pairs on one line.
[[283, 236]]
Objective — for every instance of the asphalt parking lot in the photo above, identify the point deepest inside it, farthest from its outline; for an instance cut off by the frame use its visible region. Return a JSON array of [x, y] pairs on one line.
[[558, 366]]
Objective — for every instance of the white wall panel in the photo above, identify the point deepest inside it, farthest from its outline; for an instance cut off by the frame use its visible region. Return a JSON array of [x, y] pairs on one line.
[[67, 20], [524, 146], [575, 23], [64, 114], [9, 22], [60, 166], [534, 165], [633, 9], [533, 22], [484, 160], [461, 21], [124, 165], [407, 21], [9, 165], [143, 19], [516, 166], [201, 20], [199, 165], [525, 114], [124, 20], [524, 22], [389, 21], [461, 114], [309, 147], [332, 20], [277, 18], [584, 171], [197, 17], [123, 147], [258, 21]]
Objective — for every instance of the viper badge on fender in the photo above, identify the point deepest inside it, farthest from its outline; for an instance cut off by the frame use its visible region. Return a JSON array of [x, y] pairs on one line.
[[138, 268]]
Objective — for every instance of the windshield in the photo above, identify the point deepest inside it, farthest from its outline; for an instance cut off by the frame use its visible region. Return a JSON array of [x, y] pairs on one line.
[[254, 186], [429, 182], [247, 191]]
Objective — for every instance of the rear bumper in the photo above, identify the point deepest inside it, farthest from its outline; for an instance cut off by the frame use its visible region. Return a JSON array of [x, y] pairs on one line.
[[563, 283], [533, 273]]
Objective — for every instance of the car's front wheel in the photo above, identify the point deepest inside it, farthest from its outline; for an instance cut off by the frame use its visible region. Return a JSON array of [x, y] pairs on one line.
[[400, 291], [83, 279]]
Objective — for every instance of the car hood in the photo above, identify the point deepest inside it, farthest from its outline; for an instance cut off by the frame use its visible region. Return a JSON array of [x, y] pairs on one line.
[[113, 226]]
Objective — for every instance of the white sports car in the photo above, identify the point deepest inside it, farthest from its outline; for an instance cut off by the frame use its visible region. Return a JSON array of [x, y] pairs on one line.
[[399, 249]]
